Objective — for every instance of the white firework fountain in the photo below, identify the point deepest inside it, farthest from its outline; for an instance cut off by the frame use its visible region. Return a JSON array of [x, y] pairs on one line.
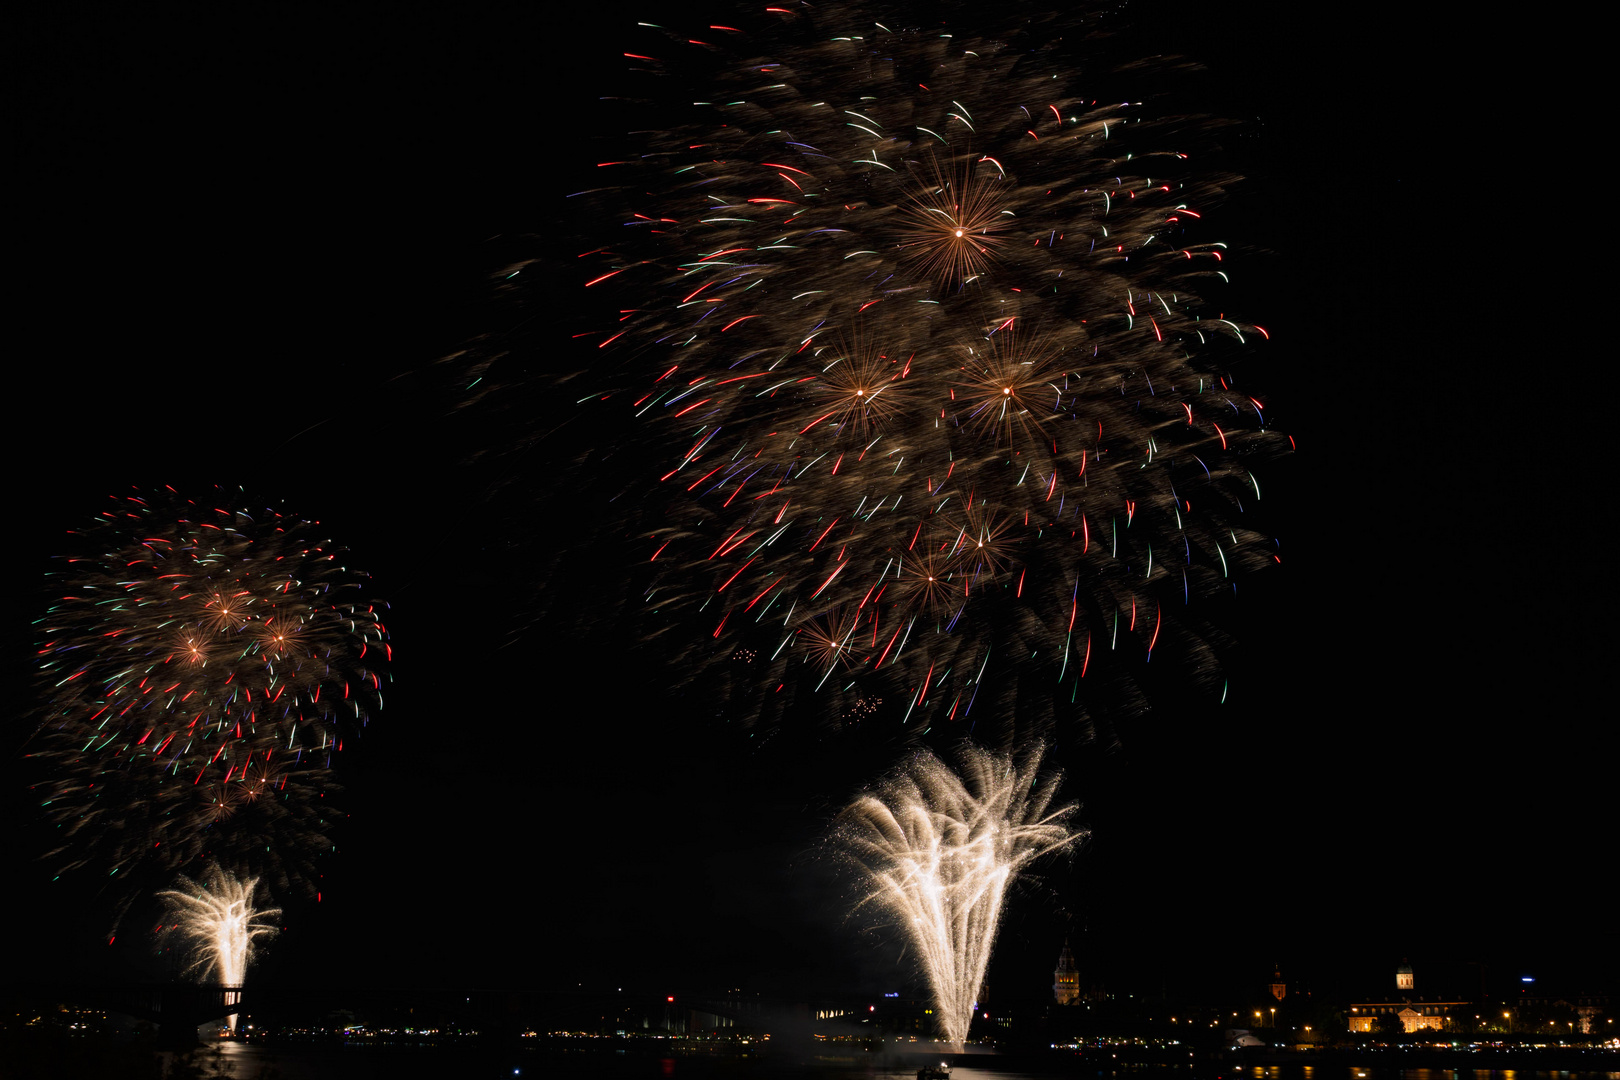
[[219, 924], [940, 850]]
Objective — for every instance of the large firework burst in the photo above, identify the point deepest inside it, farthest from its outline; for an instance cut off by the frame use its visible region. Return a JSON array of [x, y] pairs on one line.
[[200, 669], [915, 322]]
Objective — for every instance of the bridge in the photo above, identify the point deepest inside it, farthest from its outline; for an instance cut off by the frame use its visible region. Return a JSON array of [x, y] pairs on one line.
[[177, 1009]]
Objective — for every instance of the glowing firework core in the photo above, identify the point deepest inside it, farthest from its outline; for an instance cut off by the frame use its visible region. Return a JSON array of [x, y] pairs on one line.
[[219, 925], [940, 854]]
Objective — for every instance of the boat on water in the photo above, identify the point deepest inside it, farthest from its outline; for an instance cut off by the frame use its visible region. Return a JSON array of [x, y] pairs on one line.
[[942, 1071]]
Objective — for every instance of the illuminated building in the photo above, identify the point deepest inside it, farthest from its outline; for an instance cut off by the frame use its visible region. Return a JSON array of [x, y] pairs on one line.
[[1415, 1015], [1066, 979]]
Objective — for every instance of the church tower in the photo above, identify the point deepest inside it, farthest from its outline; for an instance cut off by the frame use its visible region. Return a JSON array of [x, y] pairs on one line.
[[1066, 979], [1279, 989], [1403, 976]]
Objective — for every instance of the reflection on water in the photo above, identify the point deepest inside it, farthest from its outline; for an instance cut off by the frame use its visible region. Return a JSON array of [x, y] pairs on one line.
[[260, 1062]]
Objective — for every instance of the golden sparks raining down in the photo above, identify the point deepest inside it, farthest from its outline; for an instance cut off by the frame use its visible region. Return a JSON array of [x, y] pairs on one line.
[[940, 849]]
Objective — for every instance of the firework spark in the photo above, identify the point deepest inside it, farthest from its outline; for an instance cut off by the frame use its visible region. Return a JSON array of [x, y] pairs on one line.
[[201, 669], [219, 924], [940, 850]]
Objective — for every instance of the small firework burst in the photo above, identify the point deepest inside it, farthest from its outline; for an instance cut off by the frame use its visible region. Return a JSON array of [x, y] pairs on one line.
[[202, 666], [829, 639], [956, 222], [1008, 387], [986, 543], [927, 581], [858, 391]]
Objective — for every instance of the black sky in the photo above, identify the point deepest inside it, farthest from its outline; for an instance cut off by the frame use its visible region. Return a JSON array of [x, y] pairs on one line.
[[247, 235]]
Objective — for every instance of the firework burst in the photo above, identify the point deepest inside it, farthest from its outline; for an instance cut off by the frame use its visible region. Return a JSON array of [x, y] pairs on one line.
[[1009, 392], [860, 390], [201, 668], [915, 328], [957, 222], [986, 542]]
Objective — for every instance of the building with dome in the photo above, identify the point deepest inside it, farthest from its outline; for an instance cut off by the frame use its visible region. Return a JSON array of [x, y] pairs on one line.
[[1415, 1013]]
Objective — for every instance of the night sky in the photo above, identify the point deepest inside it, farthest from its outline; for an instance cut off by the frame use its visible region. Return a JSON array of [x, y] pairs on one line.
[[247, 236]]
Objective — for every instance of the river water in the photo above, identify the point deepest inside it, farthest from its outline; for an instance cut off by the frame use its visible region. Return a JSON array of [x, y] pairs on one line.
[[294, 1062]]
